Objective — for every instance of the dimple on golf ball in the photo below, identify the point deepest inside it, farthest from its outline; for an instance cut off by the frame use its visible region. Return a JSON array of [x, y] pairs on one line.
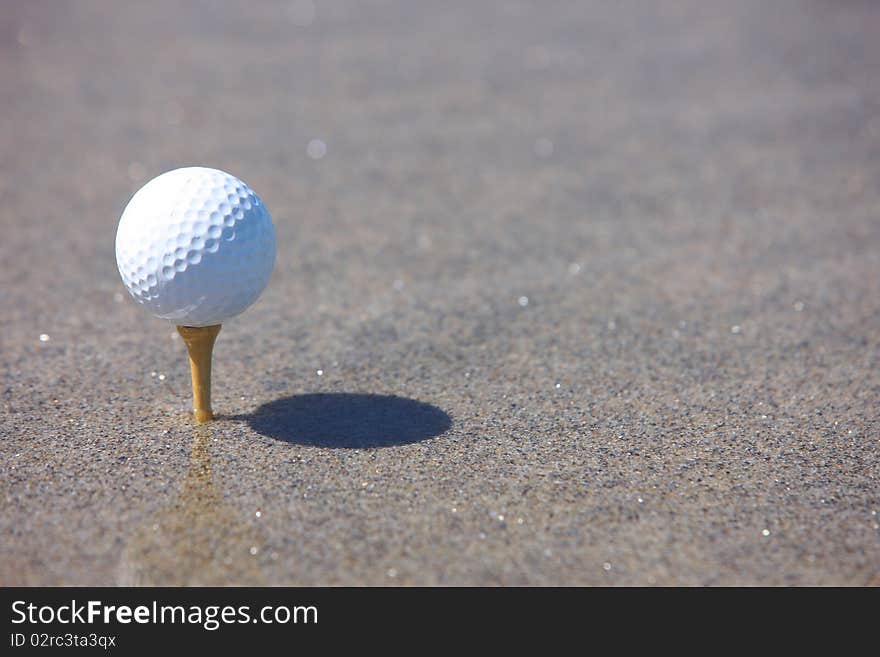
[[195, 246]]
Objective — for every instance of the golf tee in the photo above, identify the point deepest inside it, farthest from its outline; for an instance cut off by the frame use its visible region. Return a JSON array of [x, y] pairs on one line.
[[199, 342]]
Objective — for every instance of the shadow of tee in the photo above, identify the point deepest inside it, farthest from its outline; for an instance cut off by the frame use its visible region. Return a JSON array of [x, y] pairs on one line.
[[348, 420]]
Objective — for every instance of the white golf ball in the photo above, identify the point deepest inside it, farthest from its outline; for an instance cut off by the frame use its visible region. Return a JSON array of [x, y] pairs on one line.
[[195, 246]]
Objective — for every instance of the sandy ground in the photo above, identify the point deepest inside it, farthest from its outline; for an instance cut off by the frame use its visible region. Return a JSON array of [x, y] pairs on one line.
[[576, 293]]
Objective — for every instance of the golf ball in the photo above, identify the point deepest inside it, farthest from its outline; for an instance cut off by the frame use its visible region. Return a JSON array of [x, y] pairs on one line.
[[195, 246]]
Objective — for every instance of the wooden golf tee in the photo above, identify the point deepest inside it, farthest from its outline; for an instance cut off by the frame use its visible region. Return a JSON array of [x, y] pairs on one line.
[[199, 342]]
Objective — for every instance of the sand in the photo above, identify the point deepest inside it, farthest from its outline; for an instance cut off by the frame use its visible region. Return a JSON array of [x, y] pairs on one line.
[[576, 293]]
